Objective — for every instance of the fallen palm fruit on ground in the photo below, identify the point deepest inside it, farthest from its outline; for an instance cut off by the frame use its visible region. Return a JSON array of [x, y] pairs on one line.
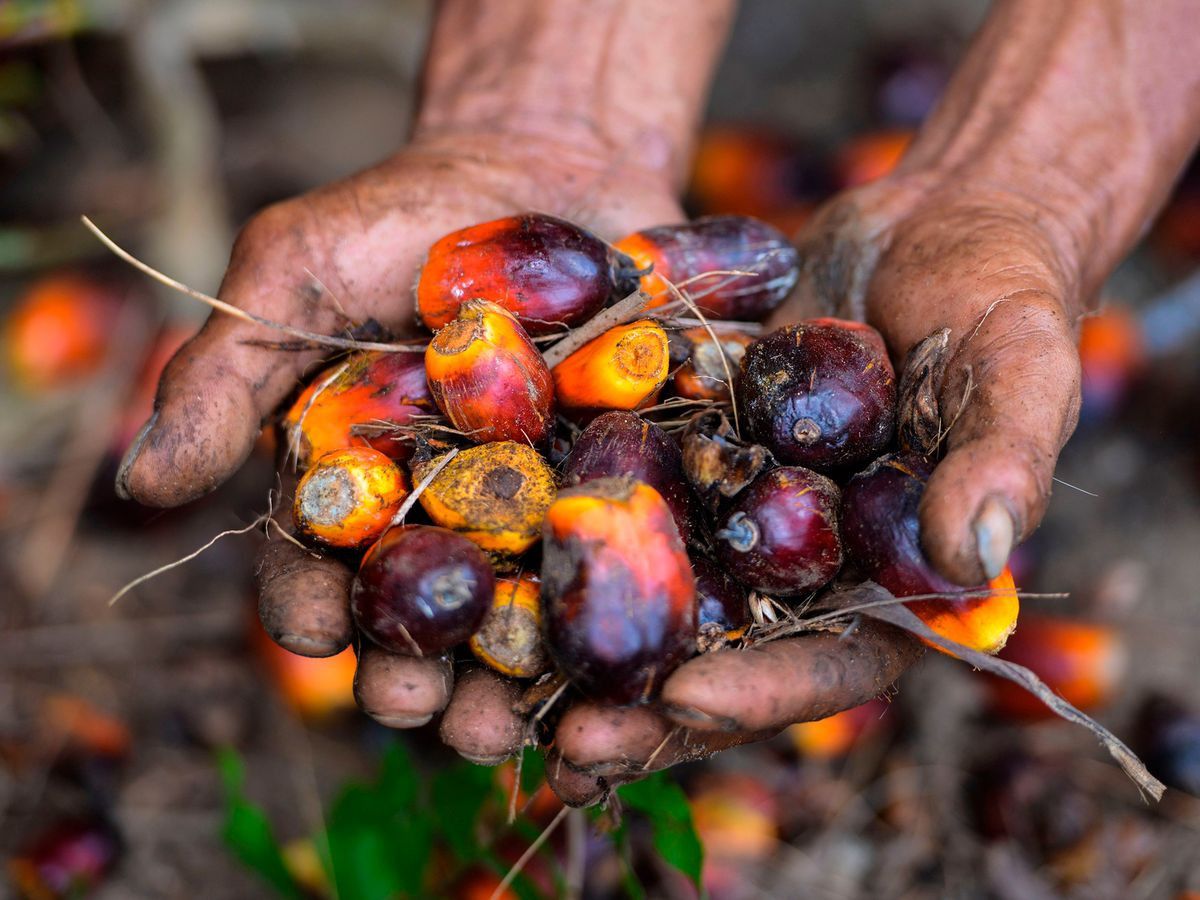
[[59, 331], [1081, 661]]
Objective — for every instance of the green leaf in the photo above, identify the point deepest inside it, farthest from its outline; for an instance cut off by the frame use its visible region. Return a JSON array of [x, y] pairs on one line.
[[664, 804], [533, 770], [459, 793], [247, 831], [380, 836]]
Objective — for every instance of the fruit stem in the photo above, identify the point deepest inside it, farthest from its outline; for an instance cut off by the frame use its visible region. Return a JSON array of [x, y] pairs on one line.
[[741, 532]]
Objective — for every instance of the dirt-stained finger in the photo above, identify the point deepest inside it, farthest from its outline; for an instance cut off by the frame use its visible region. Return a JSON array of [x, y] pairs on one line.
[[772, 685], [629, 742], [401, 691], [575, 788], [1019, 375], [303, 599], [479, 722]]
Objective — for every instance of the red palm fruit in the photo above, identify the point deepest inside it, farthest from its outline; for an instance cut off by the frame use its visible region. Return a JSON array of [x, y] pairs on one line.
[[680, 253], [722, 610], [350, 403], [819, 394], [836, 735], [348, 498], [882, 536], [737, 817], [488, 378], [421, 590], [742, 170], [1082, 662], [703, 376], [510, 639], [551, 274], [617, 590], [623, 444], [780, 535], [624, 368], [59, 331]]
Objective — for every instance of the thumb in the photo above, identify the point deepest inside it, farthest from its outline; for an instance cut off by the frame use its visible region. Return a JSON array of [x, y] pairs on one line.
[[220, 387], [1012, 394]]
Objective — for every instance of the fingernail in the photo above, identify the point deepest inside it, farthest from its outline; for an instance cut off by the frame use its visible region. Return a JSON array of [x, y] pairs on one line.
[[398, 721], [993, 536], [688, 715], [484, 760], [306, 645], [131, 455]]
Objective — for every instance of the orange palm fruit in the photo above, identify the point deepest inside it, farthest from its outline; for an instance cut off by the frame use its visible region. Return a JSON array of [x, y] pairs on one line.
[[703, 376], [59, 331], [510, 638], [315, 687], [348, 498], [552, 275], [488, 378], [881, 534], [871, 156], [624, 368], [351, 403], [1112, 354], [835, 736], [618, 595], [1083, 662], [718, 244], [493, 494]]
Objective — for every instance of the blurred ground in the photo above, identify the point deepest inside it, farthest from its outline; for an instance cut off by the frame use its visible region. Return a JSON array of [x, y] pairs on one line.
[[170, 123]]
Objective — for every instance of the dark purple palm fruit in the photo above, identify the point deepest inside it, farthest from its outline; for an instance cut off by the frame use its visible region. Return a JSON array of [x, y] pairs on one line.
[[622, 444], [722, 607], [780, 535], [683, 253], [819, 394], [421, 590]]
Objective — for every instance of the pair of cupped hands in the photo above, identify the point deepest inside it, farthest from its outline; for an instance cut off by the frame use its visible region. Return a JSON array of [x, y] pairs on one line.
[[910, 254]]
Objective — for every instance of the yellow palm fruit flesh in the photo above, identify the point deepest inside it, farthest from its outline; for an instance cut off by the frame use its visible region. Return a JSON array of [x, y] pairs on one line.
[[348, 497], [493, 494], [624, 368], [510, 639]]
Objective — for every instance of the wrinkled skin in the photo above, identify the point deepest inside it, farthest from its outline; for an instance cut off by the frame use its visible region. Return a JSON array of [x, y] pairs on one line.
[[994, 247]]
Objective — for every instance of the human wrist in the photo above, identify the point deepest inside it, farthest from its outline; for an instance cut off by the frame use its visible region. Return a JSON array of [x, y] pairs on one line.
[[1083, 112], [610, 79]]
